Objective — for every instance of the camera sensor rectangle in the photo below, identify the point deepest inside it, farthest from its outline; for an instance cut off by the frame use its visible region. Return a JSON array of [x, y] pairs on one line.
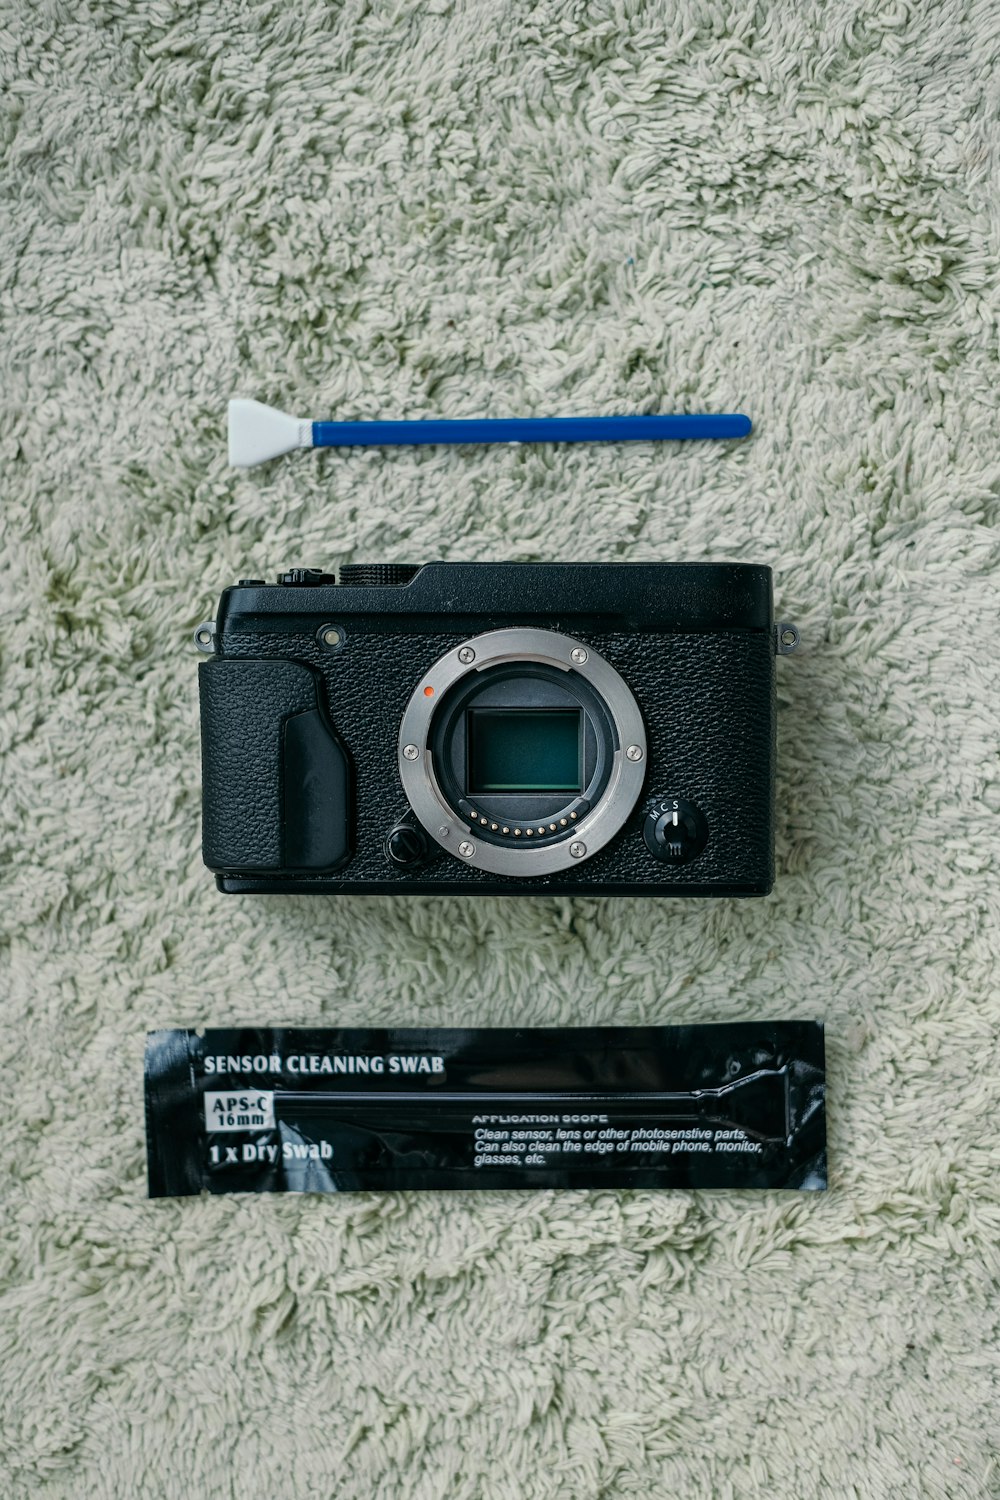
[[524, 750]]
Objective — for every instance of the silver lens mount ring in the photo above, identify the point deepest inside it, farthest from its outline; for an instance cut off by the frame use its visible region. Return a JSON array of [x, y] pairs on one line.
[[447, 826]]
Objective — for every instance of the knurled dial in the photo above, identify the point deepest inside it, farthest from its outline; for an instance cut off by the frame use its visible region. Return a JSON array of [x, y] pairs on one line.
[[675, 830], [376, 575]]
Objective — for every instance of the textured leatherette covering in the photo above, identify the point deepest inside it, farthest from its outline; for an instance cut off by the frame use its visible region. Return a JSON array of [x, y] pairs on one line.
[[244, 708], [707, 699]]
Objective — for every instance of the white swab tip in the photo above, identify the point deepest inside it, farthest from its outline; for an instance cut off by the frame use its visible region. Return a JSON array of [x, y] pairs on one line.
[[258, 432]]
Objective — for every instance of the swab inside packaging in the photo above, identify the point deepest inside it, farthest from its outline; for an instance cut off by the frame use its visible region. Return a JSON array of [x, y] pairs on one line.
[[274, 1110]]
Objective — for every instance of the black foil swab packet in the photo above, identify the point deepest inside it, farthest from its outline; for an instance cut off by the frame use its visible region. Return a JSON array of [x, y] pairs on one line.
[[258, 1110]]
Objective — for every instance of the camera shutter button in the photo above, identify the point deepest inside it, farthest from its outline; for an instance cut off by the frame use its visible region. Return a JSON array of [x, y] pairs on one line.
[[675, 831], [301, 578]]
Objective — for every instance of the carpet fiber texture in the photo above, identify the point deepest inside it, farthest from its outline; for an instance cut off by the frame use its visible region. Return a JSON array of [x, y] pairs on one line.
[[430, 208]]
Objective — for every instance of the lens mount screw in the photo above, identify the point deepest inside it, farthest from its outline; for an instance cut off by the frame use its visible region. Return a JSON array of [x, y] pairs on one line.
[[634, 752], [466, 850], [466, 655], [578, 655], [410, 752], [578, 850]]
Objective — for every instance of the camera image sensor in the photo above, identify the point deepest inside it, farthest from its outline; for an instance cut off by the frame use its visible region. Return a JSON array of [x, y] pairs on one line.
[[524, 750]]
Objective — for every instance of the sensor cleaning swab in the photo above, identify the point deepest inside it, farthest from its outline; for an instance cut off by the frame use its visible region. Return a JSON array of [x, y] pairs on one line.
[[258, 432]]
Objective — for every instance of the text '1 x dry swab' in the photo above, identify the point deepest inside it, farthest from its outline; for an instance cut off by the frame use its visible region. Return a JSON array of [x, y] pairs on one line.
[[258, 432]]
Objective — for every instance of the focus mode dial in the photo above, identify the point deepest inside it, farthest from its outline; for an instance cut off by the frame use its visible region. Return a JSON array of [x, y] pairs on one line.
[[675, 831]]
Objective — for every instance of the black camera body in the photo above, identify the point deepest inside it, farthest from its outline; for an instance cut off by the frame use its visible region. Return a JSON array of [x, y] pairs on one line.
[[503, 729]]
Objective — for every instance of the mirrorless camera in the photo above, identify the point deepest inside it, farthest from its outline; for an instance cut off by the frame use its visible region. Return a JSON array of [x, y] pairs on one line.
[[491, 728]]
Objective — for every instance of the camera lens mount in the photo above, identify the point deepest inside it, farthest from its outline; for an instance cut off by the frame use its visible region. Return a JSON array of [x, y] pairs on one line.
[[522, 752]]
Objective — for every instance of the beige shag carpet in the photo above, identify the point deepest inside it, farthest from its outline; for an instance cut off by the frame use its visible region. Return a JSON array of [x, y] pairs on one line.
[[441, 207]]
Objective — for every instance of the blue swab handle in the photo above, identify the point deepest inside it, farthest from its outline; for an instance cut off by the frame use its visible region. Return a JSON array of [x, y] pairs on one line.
[[258, 432], [530, 430]]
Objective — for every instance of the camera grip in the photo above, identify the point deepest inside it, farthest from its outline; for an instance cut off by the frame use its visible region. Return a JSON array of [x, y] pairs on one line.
[[275, 777]]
